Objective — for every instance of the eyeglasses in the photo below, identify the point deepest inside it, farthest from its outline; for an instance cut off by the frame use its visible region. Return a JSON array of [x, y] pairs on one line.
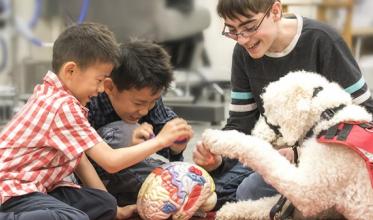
[[247, 32]]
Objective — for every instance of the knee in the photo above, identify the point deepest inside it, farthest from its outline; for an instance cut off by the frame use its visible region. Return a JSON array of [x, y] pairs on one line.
[[254, 187], [117, 134], [76, 215], [108, 206], [246, 189]]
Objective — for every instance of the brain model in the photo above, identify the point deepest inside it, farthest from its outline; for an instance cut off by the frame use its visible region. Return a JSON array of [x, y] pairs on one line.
[[178, 189]]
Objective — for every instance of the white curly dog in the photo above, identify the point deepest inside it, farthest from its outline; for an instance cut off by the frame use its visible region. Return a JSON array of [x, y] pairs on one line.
[[330, 177]]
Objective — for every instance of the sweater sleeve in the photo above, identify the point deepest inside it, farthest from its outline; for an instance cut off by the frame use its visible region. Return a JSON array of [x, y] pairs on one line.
[[338, 64], [243, 111]]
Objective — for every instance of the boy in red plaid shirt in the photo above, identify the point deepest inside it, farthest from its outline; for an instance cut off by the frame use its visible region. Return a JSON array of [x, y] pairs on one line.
[[50, 137]]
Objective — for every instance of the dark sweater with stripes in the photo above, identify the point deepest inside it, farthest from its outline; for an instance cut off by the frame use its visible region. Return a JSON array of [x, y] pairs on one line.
[[317, 48]]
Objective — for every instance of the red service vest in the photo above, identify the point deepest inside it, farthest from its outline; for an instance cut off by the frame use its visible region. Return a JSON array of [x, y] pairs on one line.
[[358, 136]]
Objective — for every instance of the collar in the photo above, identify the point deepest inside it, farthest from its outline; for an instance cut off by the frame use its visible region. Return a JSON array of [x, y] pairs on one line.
[[293, 42], [330, 112], [52, 79]]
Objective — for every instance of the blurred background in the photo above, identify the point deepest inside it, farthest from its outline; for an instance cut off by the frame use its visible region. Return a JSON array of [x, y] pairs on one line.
[[189, 29]]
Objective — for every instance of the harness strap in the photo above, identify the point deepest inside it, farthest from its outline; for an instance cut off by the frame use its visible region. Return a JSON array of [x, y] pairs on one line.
[[339, 131], [342, 136], [276, 214], [276, 209], [296, 156], [274, 128], [330, 112], [331, 132]]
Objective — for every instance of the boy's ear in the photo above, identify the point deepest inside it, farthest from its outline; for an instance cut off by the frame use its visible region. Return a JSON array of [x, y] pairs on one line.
[[109, 86], [69, 68], [277, 10]]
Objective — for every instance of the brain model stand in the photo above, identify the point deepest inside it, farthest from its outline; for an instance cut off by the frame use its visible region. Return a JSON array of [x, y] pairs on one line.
[[176, 189]]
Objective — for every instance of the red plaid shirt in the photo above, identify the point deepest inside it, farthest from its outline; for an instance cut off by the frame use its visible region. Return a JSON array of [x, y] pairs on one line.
[[44, 141]]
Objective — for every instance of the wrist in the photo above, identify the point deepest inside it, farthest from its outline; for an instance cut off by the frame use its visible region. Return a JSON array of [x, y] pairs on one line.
[[161, 143]]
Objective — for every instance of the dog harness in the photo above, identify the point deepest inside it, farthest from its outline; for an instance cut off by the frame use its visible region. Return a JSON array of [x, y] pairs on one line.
[[358, 136]]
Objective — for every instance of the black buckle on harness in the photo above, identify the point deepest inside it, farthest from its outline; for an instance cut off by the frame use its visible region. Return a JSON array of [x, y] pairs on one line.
[[330, 112], [276, 212]]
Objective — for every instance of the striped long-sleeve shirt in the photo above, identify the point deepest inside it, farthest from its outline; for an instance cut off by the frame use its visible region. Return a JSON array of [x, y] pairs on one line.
[[315, 48]]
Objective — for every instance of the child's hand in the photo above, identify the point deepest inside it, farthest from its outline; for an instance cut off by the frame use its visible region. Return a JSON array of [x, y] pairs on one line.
[[142, 133], [126, 212], [179, 146], [204, 158], [174, 131]]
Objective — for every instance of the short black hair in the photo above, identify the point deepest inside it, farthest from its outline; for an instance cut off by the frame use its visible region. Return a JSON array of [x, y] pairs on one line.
[[142, 64], [85, 44], [233, 8]]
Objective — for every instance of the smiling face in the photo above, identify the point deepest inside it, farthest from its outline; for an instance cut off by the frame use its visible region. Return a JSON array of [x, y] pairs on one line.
[[262, 27], [85, 83], [131, 104]]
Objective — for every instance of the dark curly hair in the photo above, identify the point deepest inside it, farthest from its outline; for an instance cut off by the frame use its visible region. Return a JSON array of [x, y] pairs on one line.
[[233, 8], [142, 64]]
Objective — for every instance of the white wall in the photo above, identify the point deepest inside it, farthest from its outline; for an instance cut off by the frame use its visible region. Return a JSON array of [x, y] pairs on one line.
[[219, 48]]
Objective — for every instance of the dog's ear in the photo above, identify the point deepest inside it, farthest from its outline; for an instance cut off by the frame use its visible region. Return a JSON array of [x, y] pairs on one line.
[[263, 131], [323, 99]]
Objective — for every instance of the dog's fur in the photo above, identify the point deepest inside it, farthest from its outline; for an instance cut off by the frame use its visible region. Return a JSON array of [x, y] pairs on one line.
[[328, 177]]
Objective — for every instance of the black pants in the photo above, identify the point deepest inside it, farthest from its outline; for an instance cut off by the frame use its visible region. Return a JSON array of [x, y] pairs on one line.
[[62, 203], [125, 184]]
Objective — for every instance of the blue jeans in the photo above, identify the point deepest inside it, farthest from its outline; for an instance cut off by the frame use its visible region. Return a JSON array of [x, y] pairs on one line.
[[117, 134], [125, 184], [226, 183], [63, 203], [254, 187], [240, 183]]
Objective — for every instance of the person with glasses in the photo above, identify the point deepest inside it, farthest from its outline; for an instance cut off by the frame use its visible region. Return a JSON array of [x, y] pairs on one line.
[[270, 45]]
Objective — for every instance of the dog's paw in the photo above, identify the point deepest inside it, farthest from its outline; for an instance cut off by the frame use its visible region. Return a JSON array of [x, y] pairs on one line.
[[220, 142], [228, 212], [249, 209]]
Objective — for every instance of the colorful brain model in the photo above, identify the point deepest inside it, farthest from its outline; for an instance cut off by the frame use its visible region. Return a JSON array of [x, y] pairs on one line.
[[178, 189]]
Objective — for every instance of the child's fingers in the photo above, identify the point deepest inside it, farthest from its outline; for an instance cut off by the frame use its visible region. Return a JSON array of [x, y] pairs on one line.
[[146, 127], [144, 132], [183, 132], [203, 150], [202, 154], [198, 158]]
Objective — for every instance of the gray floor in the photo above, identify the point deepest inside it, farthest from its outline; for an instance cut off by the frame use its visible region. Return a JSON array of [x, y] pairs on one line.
[[198, 128]]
